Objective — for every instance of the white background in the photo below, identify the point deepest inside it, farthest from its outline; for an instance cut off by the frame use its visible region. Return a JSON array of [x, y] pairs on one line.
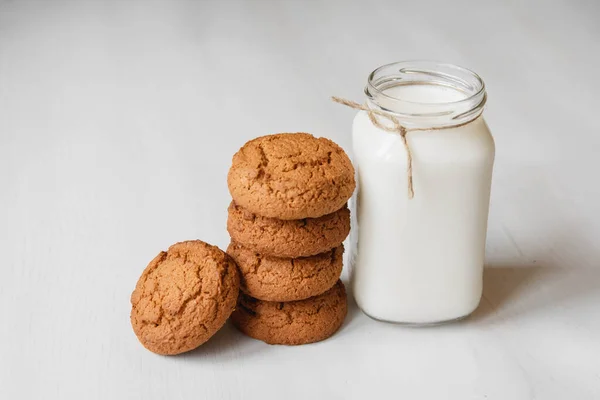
[[118, 120]]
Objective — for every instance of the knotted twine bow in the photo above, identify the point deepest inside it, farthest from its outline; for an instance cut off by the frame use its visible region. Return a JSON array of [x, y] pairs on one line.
[[396, 128]]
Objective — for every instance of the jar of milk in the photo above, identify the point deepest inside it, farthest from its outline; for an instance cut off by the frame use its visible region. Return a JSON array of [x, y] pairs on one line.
[[419, 257]]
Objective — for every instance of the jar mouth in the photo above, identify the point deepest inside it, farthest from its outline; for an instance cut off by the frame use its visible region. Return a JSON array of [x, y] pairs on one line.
[[465, 99]]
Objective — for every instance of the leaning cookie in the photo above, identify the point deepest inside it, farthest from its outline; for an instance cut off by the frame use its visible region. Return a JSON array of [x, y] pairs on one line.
[[291, 238], [286, 279], [292, 323], [183, 297], [291, 176]]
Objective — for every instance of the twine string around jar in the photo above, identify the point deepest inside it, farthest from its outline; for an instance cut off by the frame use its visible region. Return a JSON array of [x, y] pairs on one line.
[[396, 128], [401, 130]]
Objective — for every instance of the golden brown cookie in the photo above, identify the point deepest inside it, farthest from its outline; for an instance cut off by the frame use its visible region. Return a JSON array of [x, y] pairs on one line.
[[288, 238], [183, 297], [291, 176], [286, 279], [295, 322]]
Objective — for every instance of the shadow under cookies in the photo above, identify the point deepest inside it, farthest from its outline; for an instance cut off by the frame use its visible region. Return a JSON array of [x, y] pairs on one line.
[[227, 344]]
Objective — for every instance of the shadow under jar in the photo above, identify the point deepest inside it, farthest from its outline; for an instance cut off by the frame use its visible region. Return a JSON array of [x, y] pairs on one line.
[[420, 260]]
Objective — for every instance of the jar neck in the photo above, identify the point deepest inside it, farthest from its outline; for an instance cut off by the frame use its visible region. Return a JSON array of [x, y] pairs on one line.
[[426, 94]]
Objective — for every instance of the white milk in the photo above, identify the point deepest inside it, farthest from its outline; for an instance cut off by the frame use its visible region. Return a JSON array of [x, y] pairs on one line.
[[420, 260]]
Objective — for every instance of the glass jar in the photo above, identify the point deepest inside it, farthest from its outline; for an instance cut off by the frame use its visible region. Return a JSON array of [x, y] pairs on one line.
[[419, 258]]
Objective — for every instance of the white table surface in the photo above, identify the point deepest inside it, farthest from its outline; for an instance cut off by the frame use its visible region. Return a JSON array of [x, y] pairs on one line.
[[118, 121]]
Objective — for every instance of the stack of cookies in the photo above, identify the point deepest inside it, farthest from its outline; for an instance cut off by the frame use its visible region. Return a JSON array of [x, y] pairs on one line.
[[287, 222]]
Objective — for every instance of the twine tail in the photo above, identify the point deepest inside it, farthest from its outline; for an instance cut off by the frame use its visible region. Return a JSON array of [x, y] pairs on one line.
[[409, 174], [397, 128], [350, 103]]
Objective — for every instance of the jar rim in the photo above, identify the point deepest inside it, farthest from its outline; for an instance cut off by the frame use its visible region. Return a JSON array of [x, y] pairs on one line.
[[426, 72]]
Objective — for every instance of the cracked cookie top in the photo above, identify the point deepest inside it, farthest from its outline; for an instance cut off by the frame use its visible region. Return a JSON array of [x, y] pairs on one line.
[[183, 297], [291, 176]]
